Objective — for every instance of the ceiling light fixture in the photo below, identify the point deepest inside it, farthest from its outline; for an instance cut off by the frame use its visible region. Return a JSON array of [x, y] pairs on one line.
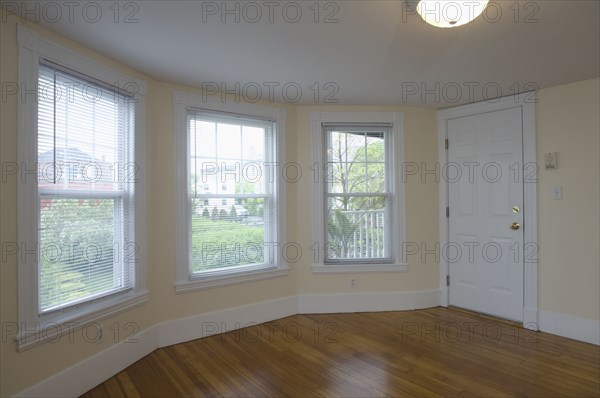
[[450, 13]]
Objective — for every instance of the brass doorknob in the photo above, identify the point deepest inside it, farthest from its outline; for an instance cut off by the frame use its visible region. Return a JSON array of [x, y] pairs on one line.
[[515, 226]]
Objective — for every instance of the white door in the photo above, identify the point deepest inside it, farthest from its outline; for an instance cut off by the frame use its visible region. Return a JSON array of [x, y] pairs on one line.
[[485, 196]]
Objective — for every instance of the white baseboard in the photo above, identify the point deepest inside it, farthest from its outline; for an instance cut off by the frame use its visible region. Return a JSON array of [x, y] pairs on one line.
[[204, 325], [570, 326], [85, 375], [367, 302]]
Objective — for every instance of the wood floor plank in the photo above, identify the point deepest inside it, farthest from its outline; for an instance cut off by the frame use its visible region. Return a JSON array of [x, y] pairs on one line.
[[126, 384], [426, 353]]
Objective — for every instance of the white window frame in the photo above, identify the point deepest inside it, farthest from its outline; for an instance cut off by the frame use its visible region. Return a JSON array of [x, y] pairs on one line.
[[396, 145], [185, 280], [35, 329]]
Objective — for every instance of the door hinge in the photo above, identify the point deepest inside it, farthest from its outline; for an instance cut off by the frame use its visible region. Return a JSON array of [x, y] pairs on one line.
[[447, 144], [447, 280], [447, 212]]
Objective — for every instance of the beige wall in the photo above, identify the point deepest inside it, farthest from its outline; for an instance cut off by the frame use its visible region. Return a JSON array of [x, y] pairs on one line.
[[567, 122]]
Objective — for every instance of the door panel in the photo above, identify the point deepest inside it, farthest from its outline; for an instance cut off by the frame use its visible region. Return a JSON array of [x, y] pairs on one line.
[[488, 275]]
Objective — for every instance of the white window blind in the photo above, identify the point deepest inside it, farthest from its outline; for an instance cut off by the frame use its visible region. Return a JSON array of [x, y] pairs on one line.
[[86, 179], [358, 196], [232, 192]]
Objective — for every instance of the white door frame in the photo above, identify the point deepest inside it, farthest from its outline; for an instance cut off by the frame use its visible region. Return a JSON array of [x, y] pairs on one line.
[[526, 102]]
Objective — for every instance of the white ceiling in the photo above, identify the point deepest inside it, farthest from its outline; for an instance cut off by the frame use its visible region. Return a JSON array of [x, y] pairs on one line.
[[374, 54]]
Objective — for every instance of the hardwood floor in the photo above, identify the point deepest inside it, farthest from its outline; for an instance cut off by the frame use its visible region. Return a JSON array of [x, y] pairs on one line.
[[434, 352]]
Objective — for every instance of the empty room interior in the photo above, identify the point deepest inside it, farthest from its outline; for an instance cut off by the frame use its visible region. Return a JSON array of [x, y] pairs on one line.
[[394, 198]]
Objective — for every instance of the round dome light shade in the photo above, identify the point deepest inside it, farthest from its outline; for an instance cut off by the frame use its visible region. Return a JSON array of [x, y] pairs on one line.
[[450, 13]]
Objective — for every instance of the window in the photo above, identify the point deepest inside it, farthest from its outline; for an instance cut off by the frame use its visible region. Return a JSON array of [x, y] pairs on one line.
[[358, 197], [234, 150], [358, 202], [79, 210], [86, 186]]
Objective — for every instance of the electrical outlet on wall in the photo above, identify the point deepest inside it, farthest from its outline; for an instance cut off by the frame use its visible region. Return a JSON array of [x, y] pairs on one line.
[[352, 283], [557, 192]]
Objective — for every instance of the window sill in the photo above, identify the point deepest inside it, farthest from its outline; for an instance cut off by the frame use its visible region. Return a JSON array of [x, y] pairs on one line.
[[230, 278], [351, 268], [52, 330]]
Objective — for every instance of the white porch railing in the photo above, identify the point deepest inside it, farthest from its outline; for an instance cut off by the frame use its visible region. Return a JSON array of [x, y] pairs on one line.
[[365, 239]]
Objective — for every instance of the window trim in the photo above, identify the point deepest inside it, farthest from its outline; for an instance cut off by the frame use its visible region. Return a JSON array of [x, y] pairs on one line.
[[33, 332], [396, 188], [184, 281]]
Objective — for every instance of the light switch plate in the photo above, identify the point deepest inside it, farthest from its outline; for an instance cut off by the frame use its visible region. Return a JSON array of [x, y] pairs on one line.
[[550, 160]]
